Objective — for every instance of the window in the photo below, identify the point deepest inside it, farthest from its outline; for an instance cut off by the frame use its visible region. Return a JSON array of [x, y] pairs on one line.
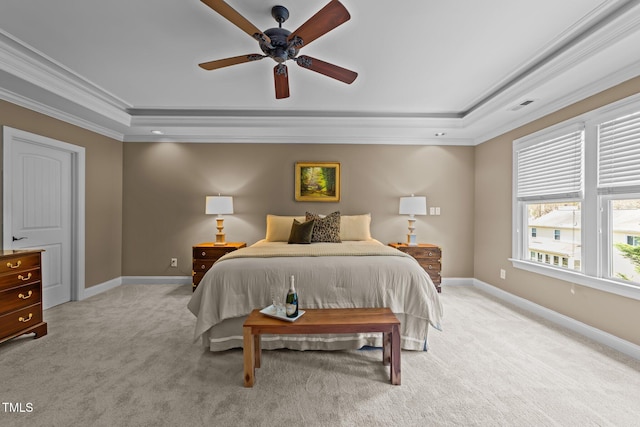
[[576, 200]]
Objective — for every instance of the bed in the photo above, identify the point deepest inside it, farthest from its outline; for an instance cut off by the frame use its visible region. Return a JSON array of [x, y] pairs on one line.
[[348, 269]]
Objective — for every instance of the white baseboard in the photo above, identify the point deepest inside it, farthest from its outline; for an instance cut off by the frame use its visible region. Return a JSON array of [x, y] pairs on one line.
[[605, 338], [456, 281], [156, 280], [100, 288]]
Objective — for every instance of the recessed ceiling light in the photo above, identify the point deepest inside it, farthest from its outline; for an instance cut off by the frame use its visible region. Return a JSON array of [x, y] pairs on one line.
[[440, 134], [157, 132]]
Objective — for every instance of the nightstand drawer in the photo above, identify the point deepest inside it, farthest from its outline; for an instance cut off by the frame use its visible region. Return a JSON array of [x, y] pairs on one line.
[[211, 253], [20, 319], [202, 265], [19, 297], [424, 253]]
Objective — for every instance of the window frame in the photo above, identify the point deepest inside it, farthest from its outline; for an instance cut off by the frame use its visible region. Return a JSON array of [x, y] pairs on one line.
[[596, 247]]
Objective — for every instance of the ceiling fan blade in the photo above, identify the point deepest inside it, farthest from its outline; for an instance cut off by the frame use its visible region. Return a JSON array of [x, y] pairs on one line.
[[329, 70], [238, 20], [281, 78], [221, 63], [327, 18]]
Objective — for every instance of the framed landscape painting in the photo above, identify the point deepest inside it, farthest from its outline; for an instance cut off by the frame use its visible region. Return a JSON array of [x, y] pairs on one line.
[[317, 181]]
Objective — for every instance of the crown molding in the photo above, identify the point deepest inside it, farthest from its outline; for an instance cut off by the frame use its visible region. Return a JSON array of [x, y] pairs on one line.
[[55, 113], [33, 67], [620, 25]]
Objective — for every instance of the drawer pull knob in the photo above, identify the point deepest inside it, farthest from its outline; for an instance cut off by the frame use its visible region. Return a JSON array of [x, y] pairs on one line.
[[16, 265], [430, 267], [203, 267], [24, 279], [25, 319], [204, 253], [23, 296], [430, 253]]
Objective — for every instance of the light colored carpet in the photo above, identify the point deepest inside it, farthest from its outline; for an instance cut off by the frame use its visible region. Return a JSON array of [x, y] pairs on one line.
[[126, 358]]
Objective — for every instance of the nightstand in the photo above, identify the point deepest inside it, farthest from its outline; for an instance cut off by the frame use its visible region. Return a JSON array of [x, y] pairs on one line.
[[205, 254], [428, 256]]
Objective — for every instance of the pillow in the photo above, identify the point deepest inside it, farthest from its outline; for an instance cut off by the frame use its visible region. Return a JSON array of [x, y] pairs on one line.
[[279, 227], [326, 229], [355, 227], [301, 231]]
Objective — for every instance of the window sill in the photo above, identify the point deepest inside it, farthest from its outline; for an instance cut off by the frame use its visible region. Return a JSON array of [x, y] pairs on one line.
[[605, 285]]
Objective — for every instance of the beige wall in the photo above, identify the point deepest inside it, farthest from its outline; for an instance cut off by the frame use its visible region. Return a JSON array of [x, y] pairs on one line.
[[617, 315], [166, 185], [103, 210]]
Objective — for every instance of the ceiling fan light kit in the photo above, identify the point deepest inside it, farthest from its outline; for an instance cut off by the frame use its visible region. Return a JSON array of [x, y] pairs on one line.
[[282, 45]]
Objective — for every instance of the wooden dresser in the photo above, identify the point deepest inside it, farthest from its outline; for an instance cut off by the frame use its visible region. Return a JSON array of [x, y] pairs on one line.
[[428, 256], [205, 254], [21, 294]]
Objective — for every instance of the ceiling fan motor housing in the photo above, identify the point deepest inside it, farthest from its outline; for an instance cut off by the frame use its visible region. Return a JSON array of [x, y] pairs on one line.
[[280, 14], [279, 49]]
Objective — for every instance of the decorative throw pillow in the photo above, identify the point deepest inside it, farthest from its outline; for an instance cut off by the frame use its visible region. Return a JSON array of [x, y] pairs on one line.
[[301, 231], [355, 227], [279, 227], [326, 229]]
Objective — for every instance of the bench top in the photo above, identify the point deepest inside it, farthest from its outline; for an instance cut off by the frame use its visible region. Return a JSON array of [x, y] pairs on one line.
[[326, 320]]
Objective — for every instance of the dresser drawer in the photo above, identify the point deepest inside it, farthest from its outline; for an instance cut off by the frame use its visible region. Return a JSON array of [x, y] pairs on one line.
[[20, 319], [20, 263], [19, 297], [17, 278]]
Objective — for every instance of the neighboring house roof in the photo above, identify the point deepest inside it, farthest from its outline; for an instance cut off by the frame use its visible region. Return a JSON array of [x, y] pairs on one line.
[[557, 219], [624, 220]]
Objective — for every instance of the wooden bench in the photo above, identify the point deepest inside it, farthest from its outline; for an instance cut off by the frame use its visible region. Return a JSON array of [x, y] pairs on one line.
[[324, 321]]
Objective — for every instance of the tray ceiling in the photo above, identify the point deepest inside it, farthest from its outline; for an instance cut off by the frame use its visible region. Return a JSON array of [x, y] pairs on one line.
[[425, 67]]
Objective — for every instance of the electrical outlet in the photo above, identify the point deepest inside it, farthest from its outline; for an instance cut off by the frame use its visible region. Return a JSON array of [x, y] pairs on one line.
[[437, 210], [174, 262], [503, 273]]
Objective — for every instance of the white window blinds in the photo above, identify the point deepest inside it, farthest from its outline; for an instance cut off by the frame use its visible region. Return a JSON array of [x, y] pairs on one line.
[[619, 153], [551, 169]]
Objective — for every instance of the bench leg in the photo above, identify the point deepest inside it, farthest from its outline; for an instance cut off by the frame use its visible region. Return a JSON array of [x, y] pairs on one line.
[[395, 355], [386, 348], [257, 348], [249, 356]]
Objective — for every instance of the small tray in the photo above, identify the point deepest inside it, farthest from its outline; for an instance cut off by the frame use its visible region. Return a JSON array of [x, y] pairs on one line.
[[271, 312]]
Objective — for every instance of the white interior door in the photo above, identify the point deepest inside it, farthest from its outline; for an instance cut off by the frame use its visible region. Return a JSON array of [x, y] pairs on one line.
[[41, 211]]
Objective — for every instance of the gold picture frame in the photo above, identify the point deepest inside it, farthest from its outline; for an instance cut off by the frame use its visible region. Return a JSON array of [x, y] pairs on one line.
[[317, 181]]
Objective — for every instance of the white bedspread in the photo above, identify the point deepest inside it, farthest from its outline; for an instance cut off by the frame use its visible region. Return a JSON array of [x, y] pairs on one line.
[[328, 275]]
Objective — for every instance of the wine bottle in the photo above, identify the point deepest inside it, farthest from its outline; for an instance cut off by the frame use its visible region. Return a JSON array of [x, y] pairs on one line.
[[292, 299]]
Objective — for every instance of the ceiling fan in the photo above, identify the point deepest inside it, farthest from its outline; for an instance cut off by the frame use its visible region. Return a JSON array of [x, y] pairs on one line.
[[282, 45]]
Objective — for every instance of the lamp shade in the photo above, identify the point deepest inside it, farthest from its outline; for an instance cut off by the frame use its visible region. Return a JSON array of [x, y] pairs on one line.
[[413, 205], [219, 205]]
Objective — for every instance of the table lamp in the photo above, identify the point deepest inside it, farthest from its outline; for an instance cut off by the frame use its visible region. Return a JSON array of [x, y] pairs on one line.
[[414, 205], [219, 205]]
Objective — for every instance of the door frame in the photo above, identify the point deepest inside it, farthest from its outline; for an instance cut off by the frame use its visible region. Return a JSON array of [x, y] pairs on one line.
[[78, 177]]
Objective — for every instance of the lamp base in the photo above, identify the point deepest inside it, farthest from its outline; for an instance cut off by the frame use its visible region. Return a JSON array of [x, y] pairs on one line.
[[220, 240], [412, 240], [220, 235]]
